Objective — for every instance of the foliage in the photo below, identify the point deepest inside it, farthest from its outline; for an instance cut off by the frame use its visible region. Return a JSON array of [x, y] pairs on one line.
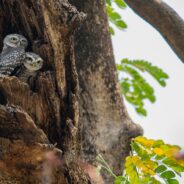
[[151, 162], [135, 87], [114, 17]]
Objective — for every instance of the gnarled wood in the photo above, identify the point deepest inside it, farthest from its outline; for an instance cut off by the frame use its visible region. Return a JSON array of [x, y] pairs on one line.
[[16, 124], [105, 127], [24, 149], [50, 99], [29, 164]]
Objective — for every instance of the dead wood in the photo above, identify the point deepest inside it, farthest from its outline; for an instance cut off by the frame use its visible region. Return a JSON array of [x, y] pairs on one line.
[[51, 99], [75, 99]]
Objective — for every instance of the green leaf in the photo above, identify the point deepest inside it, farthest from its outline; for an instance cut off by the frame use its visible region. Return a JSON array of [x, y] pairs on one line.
[[119, 180], [135, 88], [141, 111], [114, 16], [158, 143], [119, 67], [131, 171], [155, 181], [142, 167], [159, 157], [172, 181], [140, 151], [120, 3], [109, 9], [109, 2], [149, 180], [111, 30], [125, 86], [120, 24], [173, 164], [160, 169], [154, 71], [168, 175]]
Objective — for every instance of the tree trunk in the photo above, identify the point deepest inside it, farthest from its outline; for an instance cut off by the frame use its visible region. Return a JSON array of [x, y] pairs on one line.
[[74, 101], [105, 127]]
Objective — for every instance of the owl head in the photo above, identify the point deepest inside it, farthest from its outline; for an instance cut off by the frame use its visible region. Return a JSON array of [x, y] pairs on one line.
[[15, 40], [33, 62]]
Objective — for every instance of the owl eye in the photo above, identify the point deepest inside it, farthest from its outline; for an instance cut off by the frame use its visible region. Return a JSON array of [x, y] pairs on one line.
[[14, 39], [29, 59], [24, 41], [39, 61]]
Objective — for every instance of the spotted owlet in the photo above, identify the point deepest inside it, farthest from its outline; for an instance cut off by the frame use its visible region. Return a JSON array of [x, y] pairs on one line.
[[31, 65], [13, 53]]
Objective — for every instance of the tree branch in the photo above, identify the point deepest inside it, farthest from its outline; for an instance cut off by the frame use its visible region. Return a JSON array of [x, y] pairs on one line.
[[164, 19]]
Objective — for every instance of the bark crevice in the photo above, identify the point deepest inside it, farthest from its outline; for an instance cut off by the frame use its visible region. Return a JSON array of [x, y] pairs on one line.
[[105, 127], [78, 74], [50, 100]]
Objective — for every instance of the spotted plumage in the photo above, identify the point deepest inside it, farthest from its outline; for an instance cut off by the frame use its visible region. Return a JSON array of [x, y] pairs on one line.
[[13, 54], [7, 179], [31, 65]]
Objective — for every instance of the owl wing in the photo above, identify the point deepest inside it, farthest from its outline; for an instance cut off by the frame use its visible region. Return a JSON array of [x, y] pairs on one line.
[[24, 74], [10, 60]]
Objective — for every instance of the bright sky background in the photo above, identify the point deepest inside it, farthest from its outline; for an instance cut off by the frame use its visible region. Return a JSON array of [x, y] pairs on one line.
[[165, 118]]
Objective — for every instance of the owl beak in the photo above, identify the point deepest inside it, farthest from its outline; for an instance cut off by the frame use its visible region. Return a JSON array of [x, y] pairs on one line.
[[19, 43], [34, 65]]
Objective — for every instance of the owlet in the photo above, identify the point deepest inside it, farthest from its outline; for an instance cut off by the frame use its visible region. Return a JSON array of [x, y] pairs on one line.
[[13, 53], [31, 65]]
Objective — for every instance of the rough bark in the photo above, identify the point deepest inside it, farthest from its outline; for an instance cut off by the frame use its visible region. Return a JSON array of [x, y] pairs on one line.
[[105, 127], [18, 165], [49, 102], [46, 111], [164, 19]]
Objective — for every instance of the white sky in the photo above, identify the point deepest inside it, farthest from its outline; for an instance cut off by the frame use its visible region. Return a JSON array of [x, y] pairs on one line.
[[165, 118]]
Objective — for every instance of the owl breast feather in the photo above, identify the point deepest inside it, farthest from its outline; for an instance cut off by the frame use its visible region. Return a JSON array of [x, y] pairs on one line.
[[10, 59]]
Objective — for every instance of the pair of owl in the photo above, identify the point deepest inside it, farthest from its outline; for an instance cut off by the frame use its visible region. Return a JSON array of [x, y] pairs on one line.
[[14, 60]]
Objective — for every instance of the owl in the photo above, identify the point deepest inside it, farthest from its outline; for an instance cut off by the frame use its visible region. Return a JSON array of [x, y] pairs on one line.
[[30, 66], [13, 53]]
